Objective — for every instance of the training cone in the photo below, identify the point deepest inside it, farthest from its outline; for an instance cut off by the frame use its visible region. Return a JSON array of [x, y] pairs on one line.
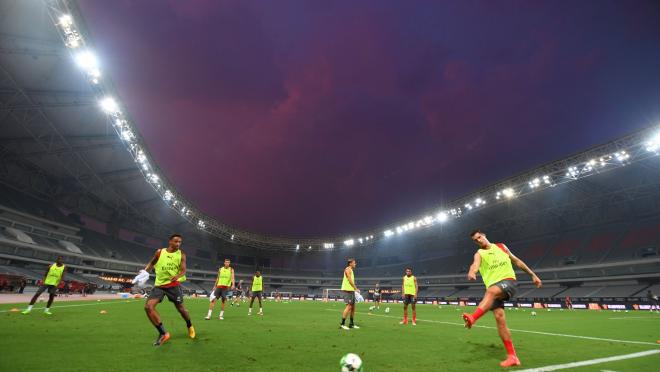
[[103, 312]]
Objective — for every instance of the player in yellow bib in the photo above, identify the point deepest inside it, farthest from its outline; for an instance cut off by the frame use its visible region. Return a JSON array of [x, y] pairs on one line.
[[52, 278], [170, 267], [257, 289], [223, 284], [495, 264], [349, 288], [409, 292]]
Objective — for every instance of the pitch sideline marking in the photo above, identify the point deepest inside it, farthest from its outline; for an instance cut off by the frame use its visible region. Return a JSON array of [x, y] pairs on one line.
[[524, 331], [59, 307], [591, 362]]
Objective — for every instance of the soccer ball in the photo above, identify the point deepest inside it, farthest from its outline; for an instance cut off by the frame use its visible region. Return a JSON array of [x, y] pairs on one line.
[[387, 309], [350, 362]]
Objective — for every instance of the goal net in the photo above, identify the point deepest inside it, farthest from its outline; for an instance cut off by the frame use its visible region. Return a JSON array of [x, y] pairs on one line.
[[331, 293]]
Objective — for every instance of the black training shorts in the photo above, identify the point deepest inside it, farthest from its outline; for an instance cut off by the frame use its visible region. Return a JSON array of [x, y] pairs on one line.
[[509, 288], [174, 294]]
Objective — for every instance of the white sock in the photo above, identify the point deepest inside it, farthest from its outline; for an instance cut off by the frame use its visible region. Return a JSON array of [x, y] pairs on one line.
[[261, 310], [29, 307], [210, 312], [222, 312], [249, 310]]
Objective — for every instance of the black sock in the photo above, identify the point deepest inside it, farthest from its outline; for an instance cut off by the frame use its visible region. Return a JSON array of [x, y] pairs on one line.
[[160, 328], [188, 323], [343, 321], [351, 320]]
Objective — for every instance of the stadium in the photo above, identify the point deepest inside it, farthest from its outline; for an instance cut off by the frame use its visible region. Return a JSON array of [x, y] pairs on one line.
[[78, 182]]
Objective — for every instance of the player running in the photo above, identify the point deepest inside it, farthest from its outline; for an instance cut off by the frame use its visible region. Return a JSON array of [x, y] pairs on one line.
[[349, 288], [52, 278], [257, 289], [223, 283], [170, 266], [409, 290], [494, 263]]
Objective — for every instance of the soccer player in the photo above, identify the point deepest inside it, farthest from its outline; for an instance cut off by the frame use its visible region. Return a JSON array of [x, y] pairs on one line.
[[377, 297], [238, 294], [494, 263], [653, 299], [52, 278], [569, 304], [170, 267], [349, 288], [409, 290], [257, 288], [223, 283]]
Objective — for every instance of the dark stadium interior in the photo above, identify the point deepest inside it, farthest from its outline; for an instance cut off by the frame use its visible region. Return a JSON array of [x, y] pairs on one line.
[[69, 187]]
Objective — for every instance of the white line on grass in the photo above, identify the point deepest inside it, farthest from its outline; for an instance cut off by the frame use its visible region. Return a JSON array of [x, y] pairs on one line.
[[636, 317], [525, 331], [591, 362], [90, 304]]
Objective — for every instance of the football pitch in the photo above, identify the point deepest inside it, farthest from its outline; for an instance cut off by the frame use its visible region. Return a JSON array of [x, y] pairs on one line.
[[304, 336]]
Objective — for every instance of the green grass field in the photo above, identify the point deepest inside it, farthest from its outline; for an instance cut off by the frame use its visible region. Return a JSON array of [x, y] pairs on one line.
[[304, 336]]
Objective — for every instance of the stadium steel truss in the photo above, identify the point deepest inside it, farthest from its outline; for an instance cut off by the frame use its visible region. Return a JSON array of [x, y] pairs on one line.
[[67, 138]]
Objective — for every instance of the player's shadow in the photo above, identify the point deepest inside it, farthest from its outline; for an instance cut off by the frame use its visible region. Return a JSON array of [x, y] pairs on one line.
[[484, 349]]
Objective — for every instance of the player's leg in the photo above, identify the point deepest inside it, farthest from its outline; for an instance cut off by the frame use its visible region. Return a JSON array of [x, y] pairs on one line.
[[414, 311], [493, 293], [250, 305], [505, 335], [186, 316], [34, 299], [155, 297], [223, 298], [216, 293], [352, 324], [261, 309], [405, 312]]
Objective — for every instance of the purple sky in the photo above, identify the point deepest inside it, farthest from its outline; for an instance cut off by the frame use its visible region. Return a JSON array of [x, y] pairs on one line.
[[330, 117]]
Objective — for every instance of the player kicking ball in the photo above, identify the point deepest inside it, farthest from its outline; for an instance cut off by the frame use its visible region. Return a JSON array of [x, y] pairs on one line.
[[170, 266], [53, 277], [494, 263], [257, 289], [223, 283], [409, 291]]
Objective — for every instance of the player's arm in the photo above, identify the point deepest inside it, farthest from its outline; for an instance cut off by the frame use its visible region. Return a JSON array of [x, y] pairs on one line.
[[416, 288], [472, 273], [182, 270], [350, 280], [153, 261], [518, 262], [403, 287], [233, 283]]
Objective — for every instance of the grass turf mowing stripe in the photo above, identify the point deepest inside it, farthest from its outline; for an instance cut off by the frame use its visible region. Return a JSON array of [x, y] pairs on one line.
[[76, 305], [522, 330], [591, 362]]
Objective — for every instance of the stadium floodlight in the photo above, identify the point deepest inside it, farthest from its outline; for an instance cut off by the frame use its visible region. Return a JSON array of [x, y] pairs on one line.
[[468, 206], [167, 196], [428, 220], [141, 157], [509, 193], [349, 242], [388, 233], [297, 247], [153, 177], [328, 245], [360, 240], [201, 224], [89, 63], [572, 172], [232, 237], [621, 156], [653, 145], [66, 20], [442, 217], [127, 135], [536, 182], [479, 202], [109, 105], [546, 180], [399, 229]]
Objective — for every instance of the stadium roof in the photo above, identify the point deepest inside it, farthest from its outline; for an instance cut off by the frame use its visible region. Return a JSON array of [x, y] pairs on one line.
[[59, 144]]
